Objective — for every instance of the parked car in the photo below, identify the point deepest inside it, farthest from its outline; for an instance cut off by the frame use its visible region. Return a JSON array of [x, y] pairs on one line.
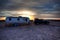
[[40, 21]]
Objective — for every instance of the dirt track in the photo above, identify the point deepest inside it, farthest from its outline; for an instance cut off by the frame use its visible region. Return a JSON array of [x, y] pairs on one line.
[[33, 32]]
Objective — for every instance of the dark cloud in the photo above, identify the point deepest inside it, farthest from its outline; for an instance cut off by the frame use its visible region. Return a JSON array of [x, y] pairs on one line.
[[3, 3], [41, 6], [58, 4], [34, 4], [16, 4], [9, 5]]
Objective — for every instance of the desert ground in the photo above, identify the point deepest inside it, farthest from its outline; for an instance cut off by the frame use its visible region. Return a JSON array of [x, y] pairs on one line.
[[31, 32]]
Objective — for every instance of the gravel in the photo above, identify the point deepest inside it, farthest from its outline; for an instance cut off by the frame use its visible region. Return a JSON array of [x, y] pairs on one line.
[[33, 32]]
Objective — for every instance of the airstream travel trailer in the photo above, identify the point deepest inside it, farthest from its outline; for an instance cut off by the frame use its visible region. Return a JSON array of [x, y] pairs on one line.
[[17, 20]]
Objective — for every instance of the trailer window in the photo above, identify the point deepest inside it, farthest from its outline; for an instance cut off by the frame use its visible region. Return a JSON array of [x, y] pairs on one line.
[[18, 19], [26, 19], [9, 19]]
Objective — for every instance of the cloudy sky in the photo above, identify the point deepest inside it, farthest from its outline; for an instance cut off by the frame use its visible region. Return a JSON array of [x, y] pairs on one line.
[[46, 8]]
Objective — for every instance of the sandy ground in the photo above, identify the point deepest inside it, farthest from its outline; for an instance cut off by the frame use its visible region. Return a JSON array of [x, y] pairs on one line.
[[32, 32]]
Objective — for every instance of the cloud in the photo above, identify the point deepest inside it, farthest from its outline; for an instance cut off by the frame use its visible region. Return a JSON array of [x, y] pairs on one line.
[[3, 3], [16, 4], [33, 4], [40, 6]]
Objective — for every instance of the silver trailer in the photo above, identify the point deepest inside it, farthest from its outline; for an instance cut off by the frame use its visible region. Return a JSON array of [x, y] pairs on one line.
[[17, 20]]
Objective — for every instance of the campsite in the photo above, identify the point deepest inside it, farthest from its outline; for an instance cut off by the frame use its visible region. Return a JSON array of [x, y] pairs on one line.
[[30, 31]]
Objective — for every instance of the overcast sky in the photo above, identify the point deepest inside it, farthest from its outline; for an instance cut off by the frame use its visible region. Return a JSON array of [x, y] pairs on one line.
[[51, 7]]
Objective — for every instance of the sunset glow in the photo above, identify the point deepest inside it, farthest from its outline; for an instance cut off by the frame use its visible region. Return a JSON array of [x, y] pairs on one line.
[[29, 16], [27, 13], [2, 18]]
